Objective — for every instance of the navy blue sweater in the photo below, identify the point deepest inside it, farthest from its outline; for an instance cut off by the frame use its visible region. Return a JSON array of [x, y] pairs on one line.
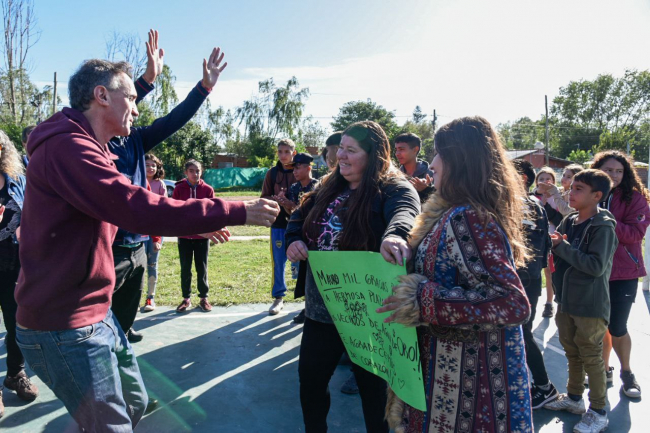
[[131, 150]]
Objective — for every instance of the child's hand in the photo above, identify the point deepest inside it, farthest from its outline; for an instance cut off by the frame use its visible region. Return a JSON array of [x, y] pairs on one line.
[[557, 238]]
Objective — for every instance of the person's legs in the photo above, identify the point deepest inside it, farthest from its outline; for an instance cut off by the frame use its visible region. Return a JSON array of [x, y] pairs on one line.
[[15, 359], [185, 252], [201, 253], [534, 357], [279, 257], [152, 268], [92, 370], [567, 334], [126, 300], [372, 389], [320, 350], [607, 349], [548, 306], [589, 340]]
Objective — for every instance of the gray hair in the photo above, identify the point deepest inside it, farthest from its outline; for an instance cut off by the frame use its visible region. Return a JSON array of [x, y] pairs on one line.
[[10, 161], [93, 73]]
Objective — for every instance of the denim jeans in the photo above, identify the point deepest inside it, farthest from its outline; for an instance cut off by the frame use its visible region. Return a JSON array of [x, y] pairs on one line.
[[152, 267], [92, 370]]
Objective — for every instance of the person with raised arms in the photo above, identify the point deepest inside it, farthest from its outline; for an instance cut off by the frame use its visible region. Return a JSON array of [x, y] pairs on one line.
[[65, 328]]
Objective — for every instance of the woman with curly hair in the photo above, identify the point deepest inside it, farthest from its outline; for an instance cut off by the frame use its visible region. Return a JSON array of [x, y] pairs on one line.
[[628, 202], [465, 297], [12, 193], [365, 204]]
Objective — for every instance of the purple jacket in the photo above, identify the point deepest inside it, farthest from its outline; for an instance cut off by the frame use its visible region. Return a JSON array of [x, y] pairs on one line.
[[632, 220]]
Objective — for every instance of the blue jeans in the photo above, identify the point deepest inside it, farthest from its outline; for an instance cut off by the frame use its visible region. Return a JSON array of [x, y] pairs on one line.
[[92, 370], [279, 259], [152, 267]]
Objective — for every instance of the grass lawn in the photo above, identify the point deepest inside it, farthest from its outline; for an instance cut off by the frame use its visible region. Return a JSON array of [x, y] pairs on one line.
[[249, 231], [239, 272]]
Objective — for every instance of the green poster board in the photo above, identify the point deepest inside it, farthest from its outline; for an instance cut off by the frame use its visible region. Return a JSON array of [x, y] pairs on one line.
[[353, 285]]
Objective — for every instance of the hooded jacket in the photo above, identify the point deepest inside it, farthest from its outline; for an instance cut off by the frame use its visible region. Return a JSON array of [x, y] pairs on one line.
[[421, 171], [185, 191], [632, 220], [581, 277], [74, 199]]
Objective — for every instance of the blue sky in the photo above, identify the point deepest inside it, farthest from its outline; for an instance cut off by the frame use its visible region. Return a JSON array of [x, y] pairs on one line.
[[496, 58]]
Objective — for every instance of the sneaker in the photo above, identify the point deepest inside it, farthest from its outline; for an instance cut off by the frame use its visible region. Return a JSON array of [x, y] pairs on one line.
[[591, 422], [184, 305], [609, 377], [300, 318], [149, 305], [630, 386], [24, 388], [564, 402], [134, 336], [548, 310], [205, 305], [541, 397], [350, 385], [278, 304]]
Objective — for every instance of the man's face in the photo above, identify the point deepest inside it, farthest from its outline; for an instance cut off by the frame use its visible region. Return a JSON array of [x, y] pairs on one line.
[[193, 174], [404, 153], [285, 154], [122, 108], [301, 171]]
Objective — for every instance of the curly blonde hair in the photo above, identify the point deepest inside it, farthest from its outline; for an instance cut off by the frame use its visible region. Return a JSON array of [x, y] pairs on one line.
[[10, 161]]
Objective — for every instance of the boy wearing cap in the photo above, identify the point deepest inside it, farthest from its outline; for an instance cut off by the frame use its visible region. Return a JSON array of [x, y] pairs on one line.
[[305, 183]]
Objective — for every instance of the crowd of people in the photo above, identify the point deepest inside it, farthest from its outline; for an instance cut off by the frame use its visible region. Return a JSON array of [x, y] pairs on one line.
[[477, 241]]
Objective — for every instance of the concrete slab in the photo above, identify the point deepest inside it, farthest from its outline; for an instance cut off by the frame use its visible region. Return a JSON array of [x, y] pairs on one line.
[[235, 370]]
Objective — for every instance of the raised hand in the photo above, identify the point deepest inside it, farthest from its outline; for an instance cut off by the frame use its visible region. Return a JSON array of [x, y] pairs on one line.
[[154, 58], [261, 212], [211, 68]]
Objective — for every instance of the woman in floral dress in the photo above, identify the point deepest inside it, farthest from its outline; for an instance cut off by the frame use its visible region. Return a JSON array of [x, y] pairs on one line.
[[465, 296]]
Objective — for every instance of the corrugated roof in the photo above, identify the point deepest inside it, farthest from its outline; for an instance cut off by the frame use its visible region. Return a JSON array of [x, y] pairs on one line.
[[514, 154]]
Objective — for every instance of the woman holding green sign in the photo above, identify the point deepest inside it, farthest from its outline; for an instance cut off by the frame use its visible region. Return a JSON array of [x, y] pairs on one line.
[[365, 204], [465, 296]]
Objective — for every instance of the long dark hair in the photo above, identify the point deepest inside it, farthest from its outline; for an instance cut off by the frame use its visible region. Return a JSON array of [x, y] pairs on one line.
[[160, 171], [356, 234], [631, 181], [478, 172]]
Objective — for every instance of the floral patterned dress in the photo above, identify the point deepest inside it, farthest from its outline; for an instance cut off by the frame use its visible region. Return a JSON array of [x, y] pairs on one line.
[[471, 304]]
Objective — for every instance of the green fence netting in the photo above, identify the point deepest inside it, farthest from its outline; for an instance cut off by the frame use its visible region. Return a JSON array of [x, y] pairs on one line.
[[229, 177]]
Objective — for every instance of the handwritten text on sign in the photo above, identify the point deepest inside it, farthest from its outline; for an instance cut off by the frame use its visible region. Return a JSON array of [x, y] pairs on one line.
[[353, 285]]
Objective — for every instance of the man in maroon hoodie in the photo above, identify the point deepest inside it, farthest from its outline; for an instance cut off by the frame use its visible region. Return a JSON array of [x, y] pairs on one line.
[[74, 200]]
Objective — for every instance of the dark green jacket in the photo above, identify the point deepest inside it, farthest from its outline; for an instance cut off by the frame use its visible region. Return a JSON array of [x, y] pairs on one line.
[[581, 279]]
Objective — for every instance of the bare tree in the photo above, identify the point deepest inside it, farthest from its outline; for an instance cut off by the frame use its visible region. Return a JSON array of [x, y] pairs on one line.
[[20, 34], [127, 47]]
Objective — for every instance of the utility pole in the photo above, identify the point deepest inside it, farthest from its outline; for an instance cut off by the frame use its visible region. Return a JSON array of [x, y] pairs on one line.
[[433, 122], [546, 128], [54, 96]]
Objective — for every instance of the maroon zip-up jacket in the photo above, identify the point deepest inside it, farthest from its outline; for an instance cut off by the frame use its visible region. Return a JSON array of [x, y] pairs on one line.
[[74, 201]]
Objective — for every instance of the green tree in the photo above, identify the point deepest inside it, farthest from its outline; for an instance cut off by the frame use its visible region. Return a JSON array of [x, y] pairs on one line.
[[580, 156], [523, 133], [356, 111], [418, 115]]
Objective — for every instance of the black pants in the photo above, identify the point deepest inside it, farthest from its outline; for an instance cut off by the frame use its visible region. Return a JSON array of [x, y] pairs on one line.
[[15, 359], [199, 249], [320, 351], [534, 357], [130, 270]]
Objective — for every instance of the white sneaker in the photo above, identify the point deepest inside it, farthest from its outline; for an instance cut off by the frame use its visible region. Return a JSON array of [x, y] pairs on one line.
[[150, 305], [591, 422], [564, 402], [278, 304]]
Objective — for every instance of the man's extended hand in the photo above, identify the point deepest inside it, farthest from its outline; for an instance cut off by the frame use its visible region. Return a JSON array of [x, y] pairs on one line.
[[154, 58], [261, 212], [211, 69], [218, 237]]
